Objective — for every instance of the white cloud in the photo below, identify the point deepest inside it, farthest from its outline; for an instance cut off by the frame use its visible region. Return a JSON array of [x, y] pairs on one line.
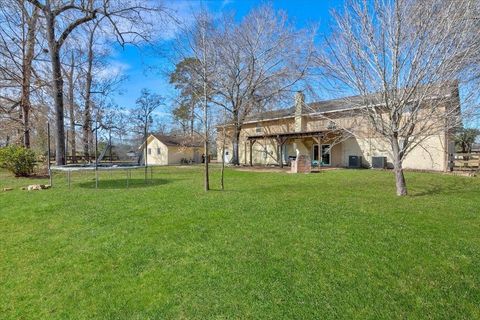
[[114, 68]]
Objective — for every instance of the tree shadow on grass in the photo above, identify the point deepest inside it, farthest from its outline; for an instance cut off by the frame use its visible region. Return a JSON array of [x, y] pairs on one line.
[[433, 190], [445, 189], [122, 183]]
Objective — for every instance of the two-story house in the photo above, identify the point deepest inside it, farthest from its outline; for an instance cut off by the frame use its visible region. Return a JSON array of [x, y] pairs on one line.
[[319, 132]]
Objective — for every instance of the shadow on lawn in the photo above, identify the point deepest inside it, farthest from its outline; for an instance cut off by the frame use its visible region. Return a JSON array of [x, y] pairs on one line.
[[122, 183], [433, 190], [439, 189]]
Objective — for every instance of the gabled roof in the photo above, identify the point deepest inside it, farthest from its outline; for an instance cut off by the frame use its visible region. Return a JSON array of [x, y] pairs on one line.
[[341, 104], [178, 141]]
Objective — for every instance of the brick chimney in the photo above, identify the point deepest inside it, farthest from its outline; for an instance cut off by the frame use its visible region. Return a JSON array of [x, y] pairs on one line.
[[299, 103]]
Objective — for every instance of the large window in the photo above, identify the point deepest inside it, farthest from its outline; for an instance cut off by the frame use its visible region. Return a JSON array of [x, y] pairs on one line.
[[325, 154]]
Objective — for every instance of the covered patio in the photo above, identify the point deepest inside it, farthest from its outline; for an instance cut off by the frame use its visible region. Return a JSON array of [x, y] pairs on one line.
[[312, 146]]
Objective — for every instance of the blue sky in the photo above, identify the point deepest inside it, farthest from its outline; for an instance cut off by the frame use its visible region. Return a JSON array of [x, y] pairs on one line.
[[134, 61]]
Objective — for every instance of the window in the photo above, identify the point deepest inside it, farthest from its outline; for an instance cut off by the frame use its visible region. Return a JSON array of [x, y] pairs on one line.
[[158, 151], [149, 151], [259, 128], [325, 156]]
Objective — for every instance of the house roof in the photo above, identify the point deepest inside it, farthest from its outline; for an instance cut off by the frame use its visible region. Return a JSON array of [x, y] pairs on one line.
[[334, 105], [337, 105], [178, 141]]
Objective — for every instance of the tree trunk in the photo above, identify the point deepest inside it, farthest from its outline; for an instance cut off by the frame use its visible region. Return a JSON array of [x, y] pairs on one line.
[[71, 101], [398, 169], [205, 145], [192, 120], [222, 172], [57, 88], [236, 140], [400, 182], [26, 121], [27, 75], [224, 136], [87, 124]]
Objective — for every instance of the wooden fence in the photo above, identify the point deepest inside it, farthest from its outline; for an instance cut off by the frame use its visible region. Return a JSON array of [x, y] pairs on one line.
[[465, 161]]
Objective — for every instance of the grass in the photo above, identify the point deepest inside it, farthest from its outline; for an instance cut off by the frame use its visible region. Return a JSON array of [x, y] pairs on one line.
[[338, 244]]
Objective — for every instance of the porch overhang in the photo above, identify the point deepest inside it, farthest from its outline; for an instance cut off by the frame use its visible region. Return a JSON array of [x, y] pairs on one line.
[[291, 135], [283, 137]]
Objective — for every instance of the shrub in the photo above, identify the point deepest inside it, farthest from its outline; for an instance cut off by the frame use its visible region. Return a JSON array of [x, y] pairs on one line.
[[18, 160]]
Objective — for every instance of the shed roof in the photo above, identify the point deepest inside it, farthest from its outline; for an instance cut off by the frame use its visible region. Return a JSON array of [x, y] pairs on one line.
[[178, 141]]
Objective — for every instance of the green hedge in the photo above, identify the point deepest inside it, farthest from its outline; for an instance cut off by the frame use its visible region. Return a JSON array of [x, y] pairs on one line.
[[18, 160]]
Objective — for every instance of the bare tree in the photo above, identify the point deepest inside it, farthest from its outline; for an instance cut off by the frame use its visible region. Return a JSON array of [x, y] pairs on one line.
[[87, 117], [62, 18], [197, 46], [70, 74], [404, 60], [142, 118], [261, 60], [18, 42]]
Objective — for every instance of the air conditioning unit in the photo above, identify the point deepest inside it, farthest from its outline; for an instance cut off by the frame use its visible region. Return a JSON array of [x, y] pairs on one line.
[[354, 161], [379, 162]]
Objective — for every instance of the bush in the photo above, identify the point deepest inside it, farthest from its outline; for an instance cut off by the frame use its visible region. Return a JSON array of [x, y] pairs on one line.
[[18, 160]]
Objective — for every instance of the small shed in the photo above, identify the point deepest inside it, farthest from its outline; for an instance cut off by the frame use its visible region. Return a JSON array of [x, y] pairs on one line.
[[172, 149]]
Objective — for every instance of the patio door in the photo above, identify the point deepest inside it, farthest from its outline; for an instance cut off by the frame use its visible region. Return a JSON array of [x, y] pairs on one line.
[[325, 161]]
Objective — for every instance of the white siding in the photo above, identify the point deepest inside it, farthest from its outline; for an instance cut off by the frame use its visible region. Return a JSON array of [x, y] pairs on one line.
[[155, 158]]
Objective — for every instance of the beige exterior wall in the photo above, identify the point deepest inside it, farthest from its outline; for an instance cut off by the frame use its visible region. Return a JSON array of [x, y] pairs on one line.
[[154, 158], [169, 154], [429, 155], [176, 154]]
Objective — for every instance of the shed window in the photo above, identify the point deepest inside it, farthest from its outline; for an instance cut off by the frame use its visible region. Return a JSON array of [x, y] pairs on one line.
[[158, 150], [149, 151]]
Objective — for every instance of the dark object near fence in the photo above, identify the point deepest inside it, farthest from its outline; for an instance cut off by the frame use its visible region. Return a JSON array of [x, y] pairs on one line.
[[354, 161], [379, 162]]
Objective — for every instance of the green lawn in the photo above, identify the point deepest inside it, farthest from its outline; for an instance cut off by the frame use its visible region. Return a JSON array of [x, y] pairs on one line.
[[338, 244]]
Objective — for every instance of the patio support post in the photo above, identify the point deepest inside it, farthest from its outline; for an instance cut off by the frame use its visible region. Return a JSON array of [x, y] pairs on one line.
[[279, 154], [245, 153], [319, 150], [318, 140], [251, 149], [280, 142]]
